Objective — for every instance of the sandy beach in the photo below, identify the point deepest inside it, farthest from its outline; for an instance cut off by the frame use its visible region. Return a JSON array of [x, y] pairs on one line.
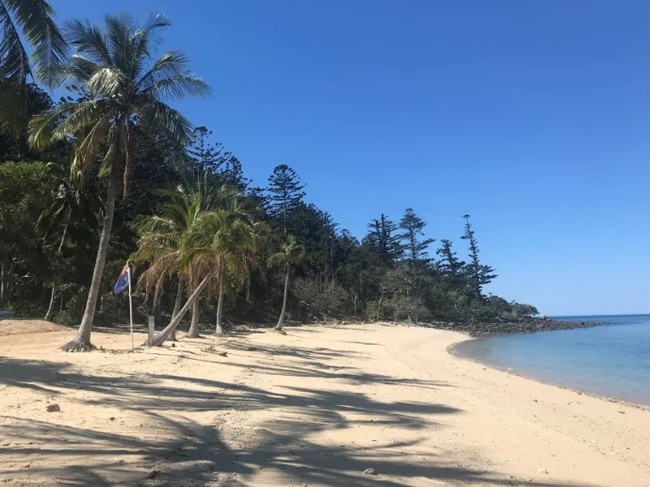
[[341, 405]]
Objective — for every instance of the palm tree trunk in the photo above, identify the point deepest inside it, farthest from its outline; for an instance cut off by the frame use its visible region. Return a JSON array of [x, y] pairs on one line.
[[156, 304], [193, 332], [179, 298], [81, 342], [166, 333], [219, 328], [177, 306], [280, 324], [50, 308], [3, 270]]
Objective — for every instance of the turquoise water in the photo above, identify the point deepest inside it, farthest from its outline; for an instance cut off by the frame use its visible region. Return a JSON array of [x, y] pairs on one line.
[[611, 360]]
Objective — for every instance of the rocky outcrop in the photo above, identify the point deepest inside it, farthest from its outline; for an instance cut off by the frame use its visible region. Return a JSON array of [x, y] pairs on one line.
[[525, 325]]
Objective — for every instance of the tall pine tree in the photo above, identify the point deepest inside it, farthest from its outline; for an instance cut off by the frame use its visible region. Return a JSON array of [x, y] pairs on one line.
[[477, 273], [285, 193], [384, 241], [412, 227], [449, 264]]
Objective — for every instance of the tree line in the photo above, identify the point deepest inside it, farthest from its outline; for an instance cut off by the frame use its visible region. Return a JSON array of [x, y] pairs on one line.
[[112, 172]]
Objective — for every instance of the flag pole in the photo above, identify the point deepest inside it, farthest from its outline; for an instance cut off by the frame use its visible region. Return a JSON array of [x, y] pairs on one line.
[[128, 266]]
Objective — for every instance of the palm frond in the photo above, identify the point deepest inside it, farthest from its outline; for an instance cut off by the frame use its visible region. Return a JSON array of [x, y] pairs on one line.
[[89, 146], [43, 126], [178, 87], [15, 62], [118, 39], [50, 50], [168, 64], [165, 118], [144, 41], [88, 40], [80, 69], [106, 81], [81, 116]]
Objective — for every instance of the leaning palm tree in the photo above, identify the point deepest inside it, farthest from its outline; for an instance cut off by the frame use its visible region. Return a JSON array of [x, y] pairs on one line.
[[124, 87], [290, 254], [32, 20]]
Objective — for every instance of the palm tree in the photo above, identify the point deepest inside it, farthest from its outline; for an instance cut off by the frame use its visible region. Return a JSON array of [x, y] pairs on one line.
[[163, 240], [219, 247], [124, 87], [290, 254], [229, 254], [33, 20]]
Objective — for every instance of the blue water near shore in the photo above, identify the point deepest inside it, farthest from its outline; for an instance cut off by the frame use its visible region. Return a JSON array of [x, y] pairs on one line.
[[612, 359]]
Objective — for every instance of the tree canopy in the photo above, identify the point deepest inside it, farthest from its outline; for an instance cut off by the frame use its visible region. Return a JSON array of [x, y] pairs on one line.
[[202, 239]]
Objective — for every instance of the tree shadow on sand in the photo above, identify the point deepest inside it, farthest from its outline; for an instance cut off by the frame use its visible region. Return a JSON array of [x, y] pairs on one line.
[[169, 448]]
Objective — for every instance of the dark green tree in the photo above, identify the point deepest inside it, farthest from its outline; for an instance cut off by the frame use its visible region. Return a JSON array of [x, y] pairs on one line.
[[414, 246], [285, 194], [449, 264], [384, 240], [13, 143], [478, 274], [25, 191], [71, 218]]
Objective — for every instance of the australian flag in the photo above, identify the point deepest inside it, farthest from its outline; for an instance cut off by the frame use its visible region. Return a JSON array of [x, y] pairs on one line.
[[122, 281]]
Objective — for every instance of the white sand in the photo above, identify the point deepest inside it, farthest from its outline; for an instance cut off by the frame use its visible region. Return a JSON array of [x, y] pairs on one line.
[[316, 407]]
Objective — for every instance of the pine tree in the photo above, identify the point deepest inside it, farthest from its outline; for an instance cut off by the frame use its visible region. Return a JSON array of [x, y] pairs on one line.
[[477, 273], [412, 226], [449, 264], [285, 193], [383, 239], [204, 156]]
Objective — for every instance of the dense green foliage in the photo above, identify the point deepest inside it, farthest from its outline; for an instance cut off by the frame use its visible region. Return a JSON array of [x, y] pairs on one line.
[[190, 221]]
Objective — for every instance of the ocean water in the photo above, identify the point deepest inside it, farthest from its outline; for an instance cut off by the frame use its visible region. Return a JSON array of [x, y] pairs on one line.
[[611, 360]]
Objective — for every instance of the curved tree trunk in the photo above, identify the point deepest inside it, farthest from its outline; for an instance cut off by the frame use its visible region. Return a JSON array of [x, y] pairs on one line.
[[50, 308], [156, 304], [280, 324], [169, 329], [219, 328], [177, 306], [179, 298], [81, 342], [193, 332]]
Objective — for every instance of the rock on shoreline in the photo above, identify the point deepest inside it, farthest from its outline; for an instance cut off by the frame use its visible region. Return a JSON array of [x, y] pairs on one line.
[[526, 325]]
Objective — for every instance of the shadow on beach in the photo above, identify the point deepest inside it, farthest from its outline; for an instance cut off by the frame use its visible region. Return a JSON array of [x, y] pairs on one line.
[[169, 448]]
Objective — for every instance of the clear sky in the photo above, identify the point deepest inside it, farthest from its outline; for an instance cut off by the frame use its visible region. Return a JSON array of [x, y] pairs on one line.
[[532, 116]]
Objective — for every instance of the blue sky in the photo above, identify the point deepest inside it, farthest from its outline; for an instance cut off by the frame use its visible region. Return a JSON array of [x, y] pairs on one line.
[[533, 117]]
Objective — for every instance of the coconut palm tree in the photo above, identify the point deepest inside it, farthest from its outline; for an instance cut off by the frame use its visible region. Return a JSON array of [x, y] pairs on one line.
[[290, 254], [124, 87], [162, 240], [231, 250], [219, 250], [33, 21]]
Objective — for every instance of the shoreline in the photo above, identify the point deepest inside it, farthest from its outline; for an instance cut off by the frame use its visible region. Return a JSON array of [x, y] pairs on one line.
[[354, 404], [451, 350]]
